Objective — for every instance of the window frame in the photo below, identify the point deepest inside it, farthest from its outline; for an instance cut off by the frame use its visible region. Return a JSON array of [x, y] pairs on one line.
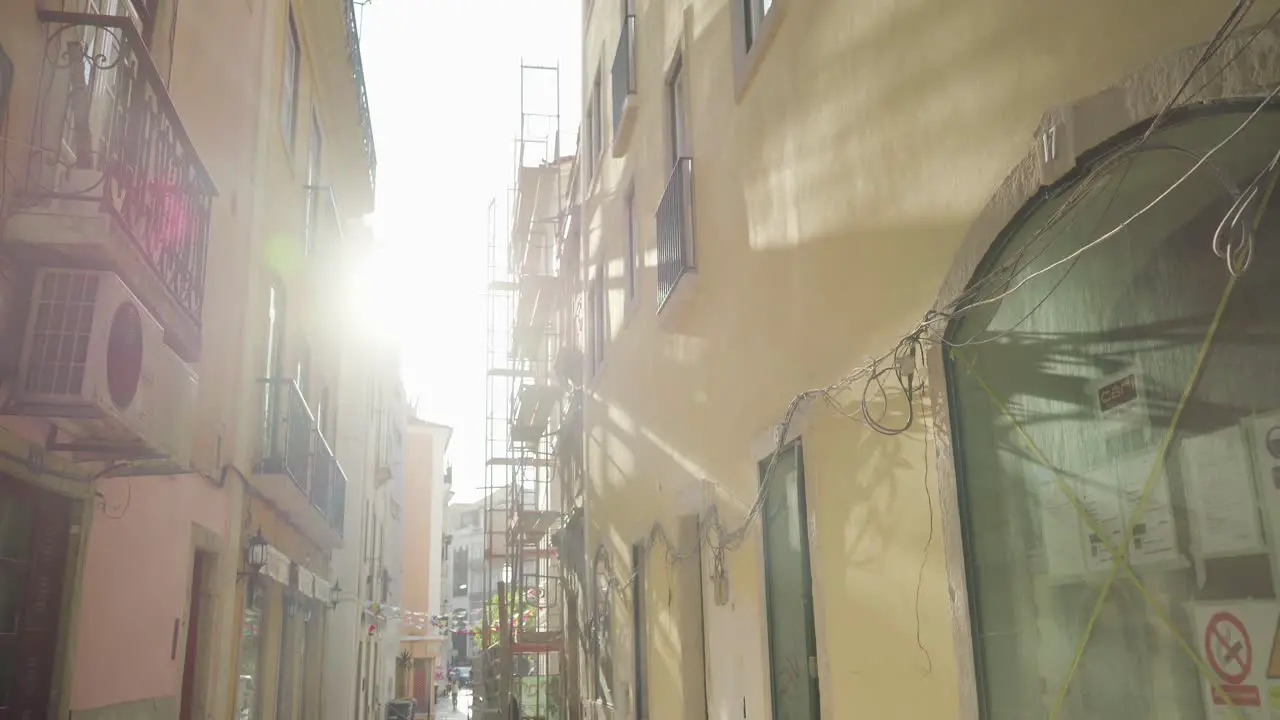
[[755, 24], [286, 669], [597, 320], [1121, 119], [633, 255], [640, 628], [6, 86], [315, 166], [802, 511], [601, 638], [677, 110], [595, 125], [291, 75], [276, 334]]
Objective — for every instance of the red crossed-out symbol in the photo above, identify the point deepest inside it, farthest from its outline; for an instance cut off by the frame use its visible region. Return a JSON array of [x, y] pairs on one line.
[[1227, 646]]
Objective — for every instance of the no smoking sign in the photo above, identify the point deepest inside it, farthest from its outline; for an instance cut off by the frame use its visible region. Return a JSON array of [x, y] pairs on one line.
[[1226, 644]]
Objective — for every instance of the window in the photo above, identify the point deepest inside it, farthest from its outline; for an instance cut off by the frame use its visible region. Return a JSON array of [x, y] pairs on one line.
[[639, 627], [302, 371], [793, 654], [286, 678], [146, 11], [461, 557], [325, 417], [633, 259], [248, 700], [272, 394], [6, 83], [289, 83], [595, 124], [598, 317], [315, 150], [1108, 429], [311, 660], [754, 12], [678, 122], [603, 632]]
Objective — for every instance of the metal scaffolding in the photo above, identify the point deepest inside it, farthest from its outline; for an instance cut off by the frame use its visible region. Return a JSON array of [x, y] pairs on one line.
[[522, 631]]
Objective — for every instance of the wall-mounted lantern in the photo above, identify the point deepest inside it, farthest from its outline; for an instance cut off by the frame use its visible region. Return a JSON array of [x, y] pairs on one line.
[[335, 595], [255, 554]]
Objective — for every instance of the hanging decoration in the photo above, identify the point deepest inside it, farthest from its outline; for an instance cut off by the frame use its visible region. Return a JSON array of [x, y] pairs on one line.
[[445, 624]]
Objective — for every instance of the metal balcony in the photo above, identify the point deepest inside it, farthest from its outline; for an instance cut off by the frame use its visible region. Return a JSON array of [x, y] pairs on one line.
[[624, 85], [324, 220], [298, 471], [675, 230], [113, 179], [362, 97]]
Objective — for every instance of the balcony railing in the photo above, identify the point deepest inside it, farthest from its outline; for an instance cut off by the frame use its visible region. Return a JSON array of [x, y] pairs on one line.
[[624, 68], [675, 229], [362, 97], [324, 221], [106, 111], [295, 447]]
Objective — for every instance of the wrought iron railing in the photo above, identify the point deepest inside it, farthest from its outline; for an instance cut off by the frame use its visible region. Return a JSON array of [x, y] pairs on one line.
[[624, 68], [324, 222], [329, 488], [289, 426], [362, 97], [106, 102], [675, 229], [294, 446]]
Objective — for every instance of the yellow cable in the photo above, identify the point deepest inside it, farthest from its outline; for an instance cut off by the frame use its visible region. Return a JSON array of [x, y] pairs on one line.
[[1101, 534], [1121, 558], [1120, 554]]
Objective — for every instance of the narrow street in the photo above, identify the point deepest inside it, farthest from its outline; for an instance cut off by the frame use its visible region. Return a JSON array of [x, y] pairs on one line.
[[446, 711]]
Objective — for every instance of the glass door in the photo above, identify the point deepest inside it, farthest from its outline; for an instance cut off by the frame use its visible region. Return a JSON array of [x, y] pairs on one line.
[[793, 655]]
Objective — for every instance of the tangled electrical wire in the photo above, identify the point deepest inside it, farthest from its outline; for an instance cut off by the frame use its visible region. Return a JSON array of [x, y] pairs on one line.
[[1233, 241]]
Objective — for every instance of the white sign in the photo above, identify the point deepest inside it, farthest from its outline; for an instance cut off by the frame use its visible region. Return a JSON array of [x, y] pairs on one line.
[[1264, 439], [277, 565], [306, 582], [1220, 499], [1061, 529], [1237, 640], [1112, 495], [1120, 399]]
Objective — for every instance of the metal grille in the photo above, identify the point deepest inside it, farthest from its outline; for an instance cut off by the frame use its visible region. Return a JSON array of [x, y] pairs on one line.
[[60, 336]]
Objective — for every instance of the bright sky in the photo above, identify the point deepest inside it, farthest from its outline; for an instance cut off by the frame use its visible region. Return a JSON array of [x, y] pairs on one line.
[[443, 79]]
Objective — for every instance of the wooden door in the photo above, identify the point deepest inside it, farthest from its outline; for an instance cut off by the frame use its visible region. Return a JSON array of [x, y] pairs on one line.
[[420, 684], [34, 527], [192, 655]]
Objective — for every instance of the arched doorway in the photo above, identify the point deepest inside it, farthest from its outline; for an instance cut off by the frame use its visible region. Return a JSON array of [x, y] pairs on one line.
[[1106, 398]]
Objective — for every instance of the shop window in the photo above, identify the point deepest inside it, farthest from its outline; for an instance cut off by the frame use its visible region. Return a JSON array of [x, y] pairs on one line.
[[249, 677], [603, 631], [1118, 448]]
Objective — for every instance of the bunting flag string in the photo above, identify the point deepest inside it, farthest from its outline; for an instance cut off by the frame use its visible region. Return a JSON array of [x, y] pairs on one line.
[[420, 620]]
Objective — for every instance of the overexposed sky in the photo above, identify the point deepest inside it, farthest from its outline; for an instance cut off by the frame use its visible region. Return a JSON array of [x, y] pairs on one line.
[[443, 79]]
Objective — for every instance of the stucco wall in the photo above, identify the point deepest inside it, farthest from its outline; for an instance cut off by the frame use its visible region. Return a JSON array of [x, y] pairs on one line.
[[137, 580], [418, 580], [831, 200]]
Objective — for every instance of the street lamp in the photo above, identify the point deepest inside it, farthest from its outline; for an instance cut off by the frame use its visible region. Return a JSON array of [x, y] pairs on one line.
[[255, 554], [335, 594]]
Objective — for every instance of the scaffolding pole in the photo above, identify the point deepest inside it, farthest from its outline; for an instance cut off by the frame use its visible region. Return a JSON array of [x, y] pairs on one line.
[[522, 627]]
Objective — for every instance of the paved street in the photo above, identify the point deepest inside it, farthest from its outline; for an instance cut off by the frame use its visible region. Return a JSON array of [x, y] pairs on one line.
[[445, 711]]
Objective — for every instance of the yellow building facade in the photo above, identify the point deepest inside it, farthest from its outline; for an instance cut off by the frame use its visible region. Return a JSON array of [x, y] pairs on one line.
[[789, 211]]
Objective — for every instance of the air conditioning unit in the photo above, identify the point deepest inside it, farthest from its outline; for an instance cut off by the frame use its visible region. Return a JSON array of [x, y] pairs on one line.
[[94, 361]]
